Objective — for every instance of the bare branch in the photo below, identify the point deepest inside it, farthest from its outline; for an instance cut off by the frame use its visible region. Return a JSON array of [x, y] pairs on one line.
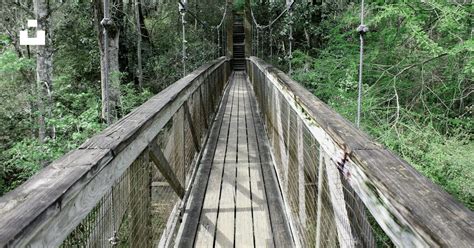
[[24, 8]]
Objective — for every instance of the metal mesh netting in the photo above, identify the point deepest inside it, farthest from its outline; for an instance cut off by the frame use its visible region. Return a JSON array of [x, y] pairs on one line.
[[110, 220], [324, 210], [142, 209]]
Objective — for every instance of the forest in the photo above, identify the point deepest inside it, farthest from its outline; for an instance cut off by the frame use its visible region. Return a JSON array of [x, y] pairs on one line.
[[418, 72]]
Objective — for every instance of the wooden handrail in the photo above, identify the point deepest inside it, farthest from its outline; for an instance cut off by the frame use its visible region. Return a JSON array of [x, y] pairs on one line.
[[411, 209], [43, 210]]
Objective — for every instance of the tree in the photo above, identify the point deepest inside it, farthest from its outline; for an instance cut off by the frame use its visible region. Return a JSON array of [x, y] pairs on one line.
[[110, 69], [139, 43], [44, 69]]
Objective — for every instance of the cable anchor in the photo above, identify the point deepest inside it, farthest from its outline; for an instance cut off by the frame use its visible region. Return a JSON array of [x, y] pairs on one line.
[[362, 29], [114, 240]]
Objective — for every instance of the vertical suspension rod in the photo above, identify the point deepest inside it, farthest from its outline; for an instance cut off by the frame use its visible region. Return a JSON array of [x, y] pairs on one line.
[[362, 29], [257, 43], [271, 43], [183, 22], [290, 55], [105, 22], [218, 43]]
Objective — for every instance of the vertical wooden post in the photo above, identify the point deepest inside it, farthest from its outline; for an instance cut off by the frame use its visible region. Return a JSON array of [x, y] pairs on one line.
[[320, 198], [301, 181], [203, 107], [336, 192], [183, 129], [178, 135], [283, 154]]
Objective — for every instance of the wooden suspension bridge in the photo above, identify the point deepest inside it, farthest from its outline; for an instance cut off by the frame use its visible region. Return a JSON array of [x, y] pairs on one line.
[[235, 154]]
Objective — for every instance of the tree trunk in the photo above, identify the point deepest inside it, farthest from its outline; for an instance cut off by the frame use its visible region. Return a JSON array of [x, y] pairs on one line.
[[111, 91], [316, 20], [120, 18], [143, 30], [139, 44], [44, 69]]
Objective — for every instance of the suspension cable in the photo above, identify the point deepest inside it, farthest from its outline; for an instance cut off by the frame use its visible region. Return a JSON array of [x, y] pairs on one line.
[[223, 17], [203, 23], [253, 38], [182, 11], [362, 29], [224, 41], [271, 43], [217, 27], [182, 6], [290, 38], [218, 42], [274, 20], [269, 26], [256, 52]]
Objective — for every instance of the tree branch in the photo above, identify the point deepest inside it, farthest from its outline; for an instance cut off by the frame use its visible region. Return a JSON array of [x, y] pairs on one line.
[[420, 64], [24, 8]]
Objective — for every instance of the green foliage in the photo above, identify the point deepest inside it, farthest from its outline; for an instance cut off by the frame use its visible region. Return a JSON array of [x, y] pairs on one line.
[[76, 96], [76, 117], [239, 5], [418, 76], [15, 113]]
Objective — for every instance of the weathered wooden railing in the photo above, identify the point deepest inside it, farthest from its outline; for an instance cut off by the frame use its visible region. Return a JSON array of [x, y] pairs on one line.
[[338, 183], [123, 185]]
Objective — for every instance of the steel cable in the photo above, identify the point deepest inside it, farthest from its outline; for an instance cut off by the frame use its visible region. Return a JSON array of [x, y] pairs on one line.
[[362, 29]]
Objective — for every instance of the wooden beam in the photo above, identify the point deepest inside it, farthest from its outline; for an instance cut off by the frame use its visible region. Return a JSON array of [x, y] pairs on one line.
[[187, 233], [203, 109], [196, 143], [301, 179], [281, 229], [212, 88], [159, 160], [336, 193]]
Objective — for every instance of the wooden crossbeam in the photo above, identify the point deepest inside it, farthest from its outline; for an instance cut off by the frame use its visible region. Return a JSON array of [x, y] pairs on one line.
[[160, 162], [191, 126], [336, 192], [211, 87]]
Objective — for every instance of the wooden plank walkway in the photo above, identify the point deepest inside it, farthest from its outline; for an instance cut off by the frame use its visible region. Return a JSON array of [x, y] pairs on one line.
[[235, 200]]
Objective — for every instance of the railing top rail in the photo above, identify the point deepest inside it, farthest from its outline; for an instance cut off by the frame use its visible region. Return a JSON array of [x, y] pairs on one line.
[[60, 195], [406, 204]]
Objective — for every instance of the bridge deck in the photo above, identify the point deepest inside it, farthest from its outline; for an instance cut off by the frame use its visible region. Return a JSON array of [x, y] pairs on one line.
[[236, 199]]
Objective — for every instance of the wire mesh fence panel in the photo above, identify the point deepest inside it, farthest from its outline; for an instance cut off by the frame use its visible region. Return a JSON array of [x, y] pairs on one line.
[[170, 141], [293, 168], [310, 161], [142, 207], [139, 204], [123, 210], [323, 208]]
